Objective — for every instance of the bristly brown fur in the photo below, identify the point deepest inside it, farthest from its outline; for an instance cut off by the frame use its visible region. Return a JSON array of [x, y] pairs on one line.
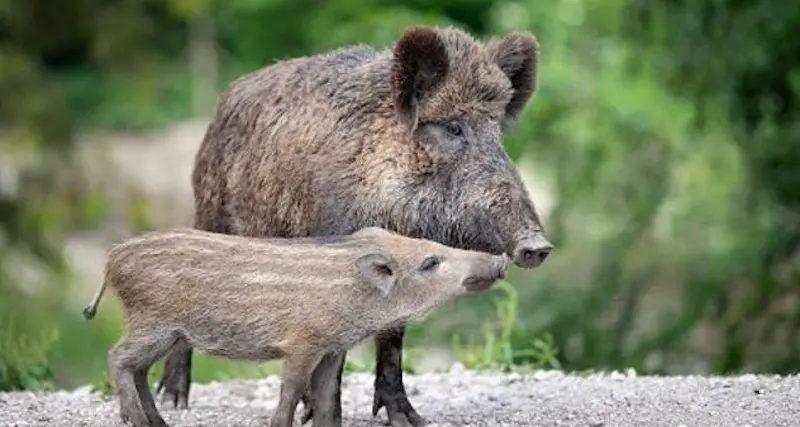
[[409, 138], [263, 299], [329, 143]]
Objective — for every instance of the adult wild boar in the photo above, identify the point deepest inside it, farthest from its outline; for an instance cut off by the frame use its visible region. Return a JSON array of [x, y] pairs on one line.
[[407, 138]]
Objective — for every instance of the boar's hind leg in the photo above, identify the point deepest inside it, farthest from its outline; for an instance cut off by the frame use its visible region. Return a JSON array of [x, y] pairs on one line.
[[176, 377], [389, 389], [130, 361], [323, 401], [297, 370]]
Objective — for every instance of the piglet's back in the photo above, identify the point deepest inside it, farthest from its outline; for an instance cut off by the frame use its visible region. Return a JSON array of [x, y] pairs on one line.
[[198, 264]]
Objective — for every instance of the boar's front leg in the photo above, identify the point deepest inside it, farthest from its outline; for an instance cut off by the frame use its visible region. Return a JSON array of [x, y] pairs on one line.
[[323, 398], [297, 371], [389, 389]]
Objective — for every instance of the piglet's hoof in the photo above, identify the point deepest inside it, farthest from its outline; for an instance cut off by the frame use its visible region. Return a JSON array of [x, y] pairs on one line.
[[323, 420], [173, 394], [308, 413], [398, 410], [174, 384], [134, 418]]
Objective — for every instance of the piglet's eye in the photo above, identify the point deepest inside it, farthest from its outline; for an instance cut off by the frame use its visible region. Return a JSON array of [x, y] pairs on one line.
[[429, 263], [454, 128]]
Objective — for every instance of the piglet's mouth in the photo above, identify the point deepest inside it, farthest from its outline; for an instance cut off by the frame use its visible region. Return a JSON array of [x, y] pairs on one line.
[[474, 284], [494, 270]]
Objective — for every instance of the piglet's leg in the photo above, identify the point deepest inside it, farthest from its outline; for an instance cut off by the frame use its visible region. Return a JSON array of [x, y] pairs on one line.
[[151, 352], [324, 400], [130, 361], [308, 406], [140, 380], [130, 406], [176, 378], [297, 371]]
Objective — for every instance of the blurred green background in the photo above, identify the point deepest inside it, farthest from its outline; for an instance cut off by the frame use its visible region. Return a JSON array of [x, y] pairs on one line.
[[662, 149]]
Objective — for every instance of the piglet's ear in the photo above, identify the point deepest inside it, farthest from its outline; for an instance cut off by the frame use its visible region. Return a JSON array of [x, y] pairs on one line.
[[377, 270], [420, 64], [518, 56]]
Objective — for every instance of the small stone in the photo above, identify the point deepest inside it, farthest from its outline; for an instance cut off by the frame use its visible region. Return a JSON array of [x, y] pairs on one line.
[[457, 368], [513, 377], [616, 375], [541, 375]]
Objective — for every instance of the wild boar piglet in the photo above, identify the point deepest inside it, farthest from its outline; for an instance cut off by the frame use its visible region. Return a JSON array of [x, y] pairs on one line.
[[296, 299]]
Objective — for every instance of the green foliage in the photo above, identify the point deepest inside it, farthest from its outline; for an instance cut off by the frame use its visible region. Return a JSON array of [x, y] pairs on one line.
[[25, 359], [149, 98], [506, 348], [411, 356], [103, 385], [217, 369], [139, 214], [351, 365]]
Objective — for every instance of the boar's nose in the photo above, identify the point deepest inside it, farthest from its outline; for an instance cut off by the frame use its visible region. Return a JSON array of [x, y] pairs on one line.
[[532, 251]]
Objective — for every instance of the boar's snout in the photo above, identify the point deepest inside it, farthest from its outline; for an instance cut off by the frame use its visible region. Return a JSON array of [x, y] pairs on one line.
[[531, 251], [486, 272]]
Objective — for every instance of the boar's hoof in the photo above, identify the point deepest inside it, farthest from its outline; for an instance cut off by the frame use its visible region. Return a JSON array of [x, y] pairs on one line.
[[398, 410]]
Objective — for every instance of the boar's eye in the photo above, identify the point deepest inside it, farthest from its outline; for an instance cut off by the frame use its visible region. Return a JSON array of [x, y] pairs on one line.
[[454, 128], [430, 263]]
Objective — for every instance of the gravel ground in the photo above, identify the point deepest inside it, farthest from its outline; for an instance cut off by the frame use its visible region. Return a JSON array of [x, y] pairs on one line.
[[458, 398]]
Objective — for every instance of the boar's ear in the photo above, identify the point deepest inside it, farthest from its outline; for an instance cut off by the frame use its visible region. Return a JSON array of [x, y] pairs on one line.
[[377, 270], [420, 63], [518, 56]]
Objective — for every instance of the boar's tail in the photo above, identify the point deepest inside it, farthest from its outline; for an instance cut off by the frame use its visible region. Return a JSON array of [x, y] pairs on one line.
[[91, 309]]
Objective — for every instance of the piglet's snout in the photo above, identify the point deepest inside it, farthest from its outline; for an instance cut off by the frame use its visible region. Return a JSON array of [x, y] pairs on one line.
[[501, 265], [485, 271]]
